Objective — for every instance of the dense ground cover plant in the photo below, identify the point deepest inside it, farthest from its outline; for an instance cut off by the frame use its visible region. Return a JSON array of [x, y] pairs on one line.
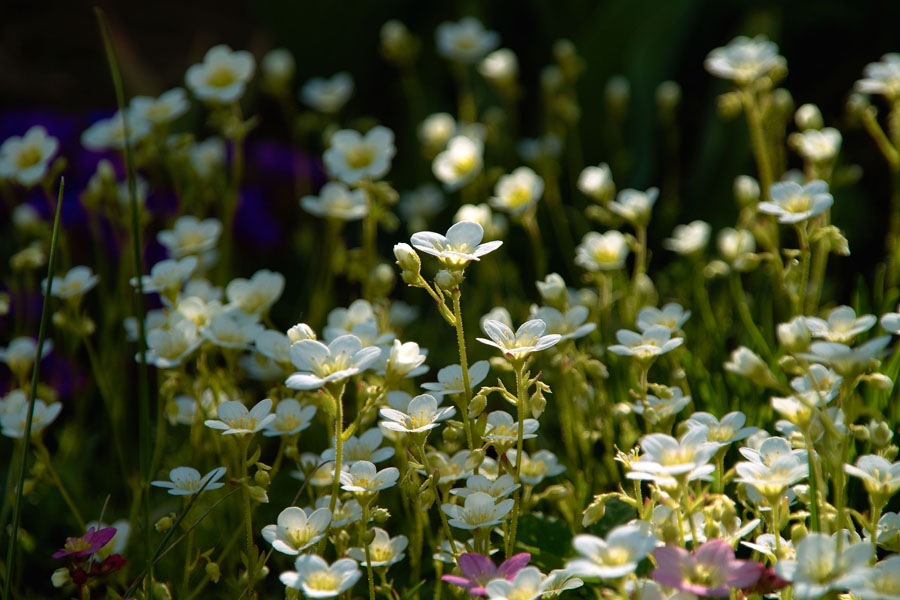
[[706, 423]]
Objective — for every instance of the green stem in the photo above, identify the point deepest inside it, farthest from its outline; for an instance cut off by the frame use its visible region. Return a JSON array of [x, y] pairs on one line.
[[740, 299], [143, 394], [338, 456], [437, 498], [537, 245], [757, 140], [44, 456], [521, 410], [248, 514], [464, 365], [365, 545], [29, 415], [803, 236]]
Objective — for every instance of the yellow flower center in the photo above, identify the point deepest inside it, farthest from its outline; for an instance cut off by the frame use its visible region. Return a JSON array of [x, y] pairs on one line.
[[77, 544], [221, 77], [28, 157], [616, 556], [797, 204], [300, 536], [463, 165], [382, 553], [359, 157], [323, 580], [246, 422], [520, 195]]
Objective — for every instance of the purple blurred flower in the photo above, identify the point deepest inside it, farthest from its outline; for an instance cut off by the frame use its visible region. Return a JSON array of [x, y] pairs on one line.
[[87, 544], [478, 570], [712, 570]]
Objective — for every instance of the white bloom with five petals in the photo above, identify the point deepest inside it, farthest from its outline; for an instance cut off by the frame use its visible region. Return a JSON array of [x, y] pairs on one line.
[[235, 419], [364, 478], [316, 579], [26, 159], [422, 414], [290, 418], [295, 529], [450, 379], [352, 157], [479, 511], [337, 201], [458, 247], [528, 338], [318, 364], [328, 95], [222, 76], [186, 481], [616, 556], [793, 203]]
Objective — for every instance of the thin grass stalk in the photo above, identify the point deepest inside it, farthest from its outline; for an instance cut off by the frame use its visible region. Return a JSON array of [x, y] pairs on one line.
[[29, 416], [143, 395]]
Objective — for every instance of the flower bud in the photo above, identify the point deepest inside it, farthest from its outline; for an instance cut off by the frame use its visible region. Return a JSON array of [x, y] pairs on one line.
[[212, 571], [880, 434], [618, 94], [808, 116], [478, 404], [447, 280], [794, 335], [258, 494], [165, 523], [407, 258], [381, 515], [729, 105], [553, 290], [555, 493], [476, 457], [262, 478], [301, 331], [748, 364], [782, 101], [537, 404], [746, 190], [60, 577], [278, 68]]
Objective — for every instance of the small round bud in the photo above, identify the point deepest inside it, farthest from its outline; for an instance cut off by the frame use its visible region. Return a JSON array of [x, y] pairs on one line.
[[381, 515], [618, 94], [212, 571], [407, 258], [729, 105], [60, 578], [555, 493], [880, 433], [165, 523], [782, 101], [262, 478], [794, 335], [476, 457], [746, 190], [808, 116], [447, 280]]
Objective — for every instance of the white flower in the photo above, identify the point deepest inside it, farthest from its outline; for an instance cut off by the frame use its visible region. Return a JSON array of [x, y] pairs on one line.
[[526, 585], [688, 239], [107, 134], [882, 581], [478, 511], [662, 407], [634, 206], [403, 361], [190, 235], [186, 481], [362, 478], [466, 41], [663, 457], [570, 325], [26, 159], [602, 252], [338, 201], [772, 472], [222, 76], [167, 276], [647, 345], [300, 331], [817, 145], [278, 67], [207, 157], [794, 335], [461, 245], [882, 77], [20, 353], [528, 338], [77, 282], [352, 157], [842, 325], [499, 488], [559, 581], [819, 568], [537, 467], [258, 294], [459, 163], [765, 544], [342, 321], [449, 469], [879, 476], [344, 513], [597, 182], [500, 66], [450, 379], [616, 556], [725, 431], [235, 419], [744, 60], [436, 130], [290, 418], [316, 579], [13, 417], [160, 111], [167, 348], [517, 192], [422, 414], [793, 203], [328, 95], [323, 476], [501, 427], [672, 316], [364, 447], [736, 246], [847, 361], [184, 410], [318, 364], [383, 549], [818, 379], [232, 329], [746, 363], [553, 290], [295, 530], [274, 345]]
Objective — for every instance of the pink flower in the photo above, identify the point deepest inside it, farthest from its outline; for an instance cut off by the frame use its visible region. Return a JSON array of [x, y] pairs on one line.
[[87, 544], [478, 570], [712, 570]]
